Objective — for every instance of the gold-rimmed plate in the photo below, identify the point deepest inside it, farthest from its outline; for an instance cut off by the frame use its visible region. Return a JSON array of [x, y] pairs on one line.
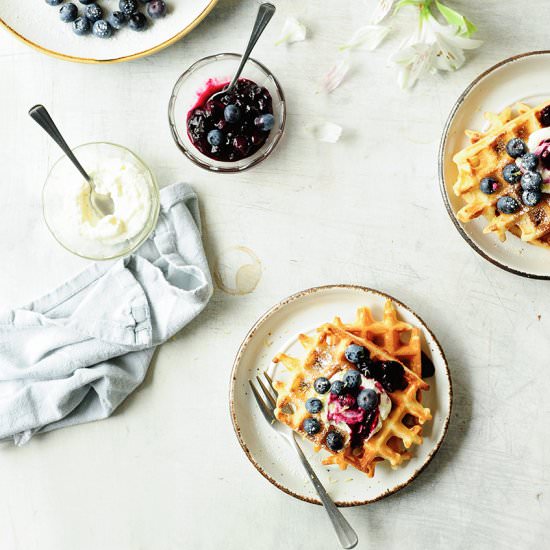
[[38, 25]]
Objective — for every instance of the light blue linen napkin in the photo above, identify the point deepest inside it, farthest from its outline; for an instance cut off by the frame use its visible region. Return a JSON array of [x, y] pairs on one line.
[[74, 355]]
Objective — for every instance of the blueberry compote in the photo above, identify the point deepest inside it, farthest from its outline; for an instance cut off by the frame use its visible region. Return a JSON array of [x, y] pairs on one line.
[[232, 126]]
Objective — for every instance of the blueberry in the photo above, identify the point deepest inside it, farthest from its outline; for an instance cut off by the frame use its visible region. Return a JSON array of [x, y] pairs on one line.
[[356, 354], [488, 185], [265, 122], [81, 26], [511, 173], [393, 376], [314, 405], [68, 12], [54, 2], [507, 205], [156, 9], [232, 114], [321, 385], [527, 162], [371, 369], [352, 379], [102, 29], [127, 7], [86, 2], [544, 116], [93, 12], [531, 181], [311, 426], [531, 198], [137, 21], [367, 399], [215, 138], [428, 367], [117, 20], [337, 388], [516, 147], [335, 441]]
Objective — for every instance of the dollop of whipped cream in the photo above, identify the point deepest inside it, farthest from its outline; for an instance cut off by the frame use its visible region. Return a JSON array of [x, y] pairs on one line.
[[539, 144]]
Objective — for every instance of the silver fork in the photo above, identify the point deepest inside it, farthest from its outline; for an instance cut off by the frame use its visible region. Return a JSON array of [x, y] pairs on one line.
[[344, 531]]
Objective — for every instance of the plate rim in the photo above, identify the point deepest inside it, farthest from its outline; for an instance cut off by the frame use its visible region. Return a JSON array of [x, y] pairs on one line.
[[246, 341], [91, 60], [456, 106]]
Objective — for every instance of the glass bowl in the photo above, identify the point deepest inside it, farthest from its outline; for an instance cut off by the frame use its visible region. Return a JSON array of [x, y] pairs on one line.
[[221, 68], [63, 203]]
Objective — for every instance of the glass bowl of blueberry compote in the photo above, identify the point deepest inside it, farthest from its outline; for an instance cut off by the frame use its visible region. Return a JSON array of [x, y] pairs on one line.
[[233, 131]]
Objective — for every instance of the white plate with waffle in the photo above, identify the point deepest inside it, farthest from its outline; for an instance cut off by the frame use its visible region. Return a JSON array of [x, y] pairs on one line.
[[517, 82], [277, 331]]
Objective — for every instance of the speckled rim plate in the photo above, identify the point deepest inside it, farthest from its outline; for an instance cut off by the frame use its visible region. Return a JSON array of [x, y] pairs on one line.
[[275, 331], [63, 46], [524, 77]]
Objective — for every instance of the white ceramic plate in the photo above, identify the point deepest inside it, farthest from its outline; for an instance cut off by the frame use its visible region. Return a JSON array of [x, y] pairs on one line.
[[276, 331], [526, 78], [39, 26]]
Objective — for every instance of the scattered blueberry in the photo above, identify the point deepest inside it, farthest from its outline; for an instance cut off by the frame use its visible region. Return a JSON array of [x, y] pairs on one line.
[[102, 29], [511, 173], [265, 122], [137, 21], [516, 147], [531, 197], [507, 205], [531, 181], [156, 9], [321, 385], [86, 2], [337, 388], [127, 7], [232, 114], [356, 354], [81, 26], [93, 12], [527, 162], [371, 369], [352, 379], [311, 426], [314, 405], [68, 12], [545, 116], [393, 376], [428, 367], [215, 138], [54, 2], [335, 441], [117, 20], [367, 399], [488, 185]]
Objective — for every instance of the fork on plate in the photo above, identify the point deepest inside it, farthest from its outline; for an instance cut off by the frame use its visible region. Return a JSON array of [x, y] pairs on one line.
[[344, 531]]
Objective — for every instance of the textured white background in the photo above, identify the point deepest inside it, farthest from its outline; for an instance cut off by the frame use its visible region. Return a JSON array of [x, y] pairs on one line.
[[166, 471]]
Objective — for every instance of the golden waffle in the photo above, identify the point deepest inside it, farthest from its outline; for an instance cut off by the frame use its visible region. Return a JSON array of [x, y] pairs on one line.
[[387, 340], [486, 157]]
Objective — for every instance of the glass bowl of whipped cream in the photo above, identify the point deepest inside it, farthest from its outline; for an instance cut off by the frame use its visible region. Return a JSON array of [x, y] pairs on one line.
[[73, 221]]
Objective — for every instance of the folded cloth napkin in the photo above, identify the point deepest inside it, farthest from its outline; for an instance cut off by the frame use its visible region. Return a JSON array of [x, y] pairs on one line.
[[74, 355]]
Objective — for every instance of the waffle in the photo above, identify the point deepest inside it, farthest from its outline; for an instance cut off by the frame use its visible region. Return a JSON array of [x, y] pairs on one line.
[[486, 157], [387, 340]]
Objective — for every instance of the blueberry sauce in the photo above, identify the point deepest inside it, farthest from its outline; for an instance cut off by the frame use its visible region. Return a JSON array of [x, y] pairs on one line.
[[242, 126]]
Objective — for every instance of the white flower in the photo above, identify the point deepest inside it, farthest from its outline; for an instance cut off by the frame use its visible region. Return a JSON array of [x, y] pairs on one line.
[[328, 132], [381, 11], [367, 37], [337, 72], [292, 31]]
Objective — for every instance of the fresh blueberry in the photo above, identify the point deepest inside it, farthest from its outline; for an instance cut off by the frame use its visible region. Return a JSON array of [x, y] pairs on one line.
[[511, 173], [127, 7], [337, 388], [371, 369], [352, 379], [102, 29], [156, 9], [215, 138], [531, 198], [232, 114], [488, 185], [527, 162], [335, 441], [137, 21], [507, 205], [314, 405], [81, 26], [311, 426], [321, 385], [393, 376], [356, 354], [86, 2], [265, 122], [54, 2], [117, 20], [516, 147], [428, 367], [367, 399], [68, 12], [93, 12], [544, 116], [531, 181]]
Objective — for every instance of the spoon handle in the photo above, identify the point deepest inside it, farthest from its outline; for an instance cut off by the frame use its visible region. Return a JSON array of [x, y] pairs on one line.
[[40, 115], [265, 13]]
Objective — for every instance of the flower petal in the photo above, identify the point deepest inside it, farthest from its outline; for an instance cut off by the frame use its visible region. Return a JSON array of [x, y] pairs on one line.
[[292, 31], [381, 11], [337, 73], [328, 132], [367, 37]]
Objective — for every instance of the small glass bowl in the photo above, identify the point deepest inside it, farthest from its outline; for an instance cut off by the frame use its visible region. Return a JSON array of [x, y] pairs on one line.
[[222, 67], [63, 180]]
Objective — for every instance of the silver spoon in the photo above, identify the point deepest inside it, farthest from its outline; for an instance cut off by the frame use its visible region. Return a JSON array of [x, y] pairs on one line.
[[265, 13], [102, 204]]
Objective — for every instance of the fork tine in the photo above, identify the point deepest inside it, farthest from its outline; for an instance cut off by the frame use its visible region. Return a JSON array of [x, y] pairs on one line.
[[270, 382], [266, 411], [267, 393]]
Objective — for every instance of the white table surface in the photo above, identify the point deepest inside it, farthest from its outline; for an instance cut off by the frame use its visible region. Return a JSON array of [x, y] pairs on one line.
[[166, 472]]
